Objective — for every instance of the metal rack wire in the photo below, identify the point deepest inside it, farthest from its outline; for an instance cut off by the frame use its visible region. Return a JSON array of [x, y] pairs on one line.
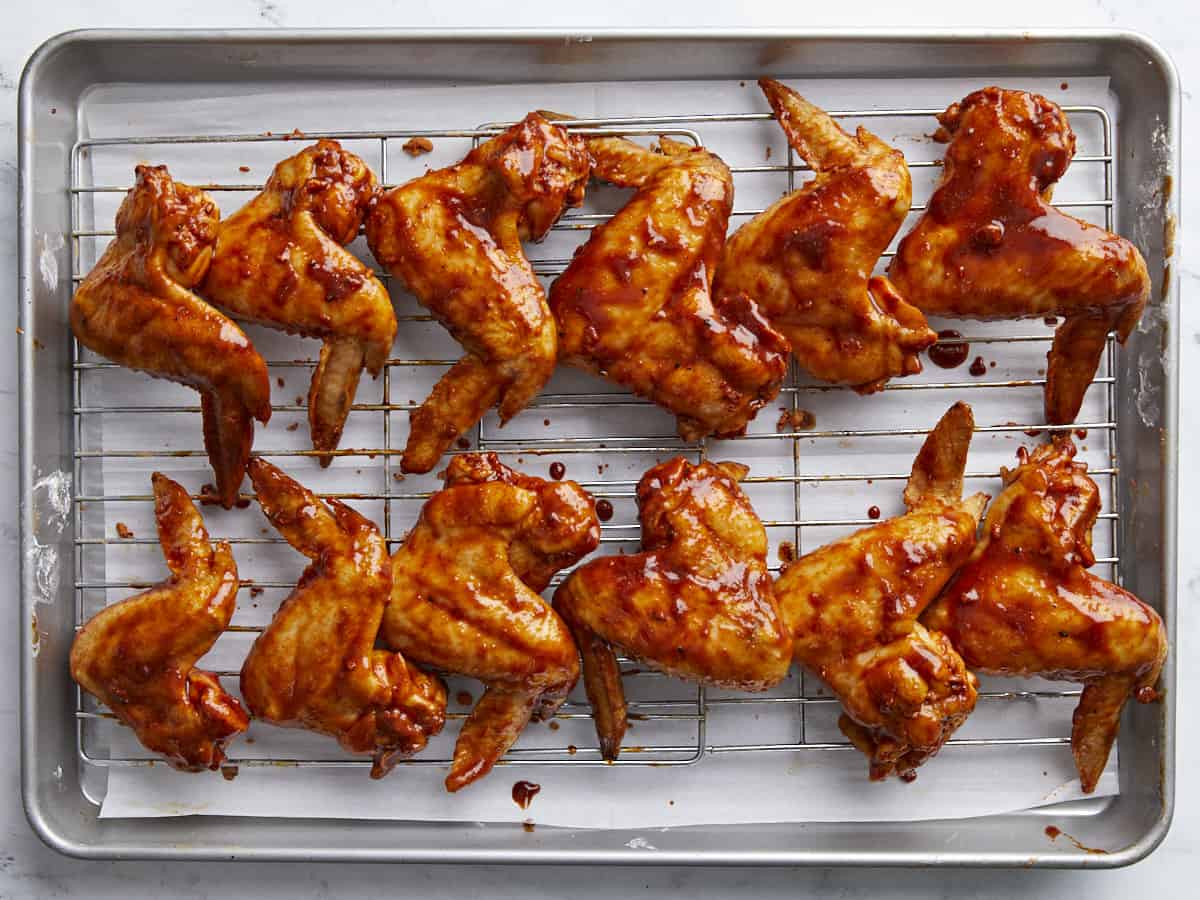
[[655, 710]]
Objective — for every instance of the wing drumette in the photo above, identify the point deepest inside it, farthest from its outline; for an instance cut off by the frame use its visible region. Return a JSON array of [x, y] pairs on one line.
[[697, 603], [465, 597], [852, 610], [636, 306], [281, 261], [453, 239], [807, 260], [137, 656], [316, 665], [990, 245], [136, 307], [1025, 604]]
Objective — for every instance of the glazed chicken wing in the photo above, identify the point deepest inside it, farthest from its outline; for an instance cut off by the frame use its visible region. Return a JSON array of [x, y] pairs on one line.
[[852, 610], [465, 597], [316, 665], [636, 306], [1025, 603], [453, 239], [990, 245], [807, 260], [136, 307], [281, 261], [697, 603], [137, 656]]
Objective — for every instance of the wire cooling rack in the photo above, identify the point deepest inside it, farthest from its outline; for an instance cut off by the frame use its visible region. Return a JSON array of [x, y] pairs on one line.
[[803, 481]]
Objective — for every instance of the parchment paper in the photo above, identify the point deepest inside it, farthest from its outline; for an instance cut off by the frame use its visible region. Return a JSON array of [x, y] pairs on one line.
[[811, 785]]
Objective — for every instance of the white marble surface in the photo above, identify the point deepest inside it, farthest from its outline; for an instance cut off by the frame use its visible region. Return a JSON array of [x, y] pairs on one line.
[[27, 869]]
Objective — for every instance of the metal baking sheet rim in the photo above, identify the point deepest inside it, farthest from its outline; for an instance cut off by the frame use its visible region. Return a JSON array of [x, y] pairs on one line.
[[112, 845]]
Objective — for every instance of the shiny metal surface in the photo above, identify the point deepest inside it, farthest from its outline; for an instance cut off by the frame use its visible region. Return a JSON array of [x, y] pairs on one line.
[[1142, 811]]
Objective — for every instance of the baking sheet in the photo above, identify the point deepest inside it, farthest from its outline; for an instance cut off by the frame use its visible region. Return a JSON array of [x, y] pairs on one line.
[[818, 785]]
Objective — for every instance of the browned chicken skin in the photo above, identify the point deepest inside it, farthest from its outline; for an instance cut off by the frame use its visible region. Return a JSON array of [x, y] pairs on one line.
[[316, 666], [1025, 603], [281, 261], [697, 603], [636, 306], [453, 239], [137, 308], [137, 656], [852, 610], [465, 597], [807, 260], [990, 245]]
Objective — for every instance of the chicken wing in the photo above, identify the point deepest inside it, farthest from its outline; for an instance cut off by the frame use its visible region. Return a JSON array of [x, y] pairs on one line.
[[137, 308], [635, 305], [1025, 603], [697, 603], [807, 260], [453, 239], [852, 609], [465, 597], [316, 666], [990, 245], [137, 656], [281, 261]]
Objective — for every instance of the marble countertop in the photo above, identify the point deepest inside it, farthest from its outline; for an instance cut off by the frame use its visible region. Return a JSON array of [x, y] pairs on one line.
[[28, 869]]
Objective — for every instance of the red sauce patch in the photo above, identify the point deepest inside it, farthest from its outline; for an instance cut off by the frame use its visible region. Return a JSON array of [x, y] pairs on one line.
[[523, 793], [873, 512], [604, 510], [978, 368], [557, 471], [947, 353], [1054, 833]]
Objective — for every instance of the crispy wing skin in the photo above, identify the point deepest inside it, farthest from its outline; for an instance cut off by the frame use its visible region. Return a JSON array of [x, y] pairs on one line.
[[636, 304], [807, 260], [697, 603], [1025, 604], [990, 245], [316, 665], [453, 239], [852, 609], [137, 656], [137, 308], [281, 261], [465, 597]]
